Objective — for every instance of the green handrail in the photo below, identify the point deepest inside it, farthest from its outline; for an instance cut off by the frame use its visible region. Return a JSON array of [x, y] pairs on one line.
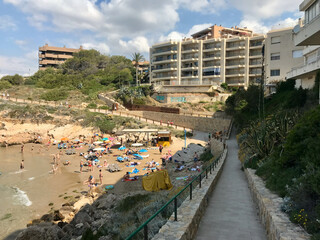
[[170, 201]]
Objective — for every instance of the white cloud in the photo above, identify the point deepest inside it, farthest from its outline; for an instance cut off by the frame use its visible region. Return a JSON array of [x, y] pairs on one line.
[[20, 43], [101, 47], [25, 65], [7, 23], [137, 44]]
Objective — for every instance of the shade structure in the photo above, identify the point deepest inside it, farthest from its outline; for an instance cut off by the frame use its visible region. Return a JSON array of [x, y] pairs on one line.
[[143, 150], [98, 149], [122, 148], [105, 139], [76, 140], [64, 139], [97, 142], [136, 144]]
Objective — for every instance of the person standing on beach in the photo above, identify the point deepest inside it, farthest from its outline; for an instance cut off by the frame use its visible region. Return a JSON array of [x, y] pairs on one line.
[[81, 166], [22, 165], [22, 148], [160, 148], [100, 176]]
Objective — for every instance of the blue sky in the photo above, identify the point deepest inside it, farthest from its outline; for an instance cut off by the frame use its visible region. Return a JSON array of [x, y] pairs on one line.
[[121, 27]]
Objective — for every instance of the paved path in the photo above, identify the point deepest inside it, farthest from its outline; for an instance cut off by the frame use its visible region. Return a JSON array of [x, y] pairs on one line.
[[231, 213]]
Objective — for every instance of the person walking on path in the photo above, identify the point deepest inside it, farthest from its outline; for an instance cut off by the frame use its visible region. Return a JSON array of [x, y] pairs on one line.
[[160, 149]]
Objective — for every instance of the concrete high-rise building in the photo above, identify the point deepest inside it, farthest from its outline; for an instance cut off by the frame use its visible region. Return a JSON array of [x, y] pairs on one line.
[[211, 57], [54, 56], [281, 55], [307, 34]]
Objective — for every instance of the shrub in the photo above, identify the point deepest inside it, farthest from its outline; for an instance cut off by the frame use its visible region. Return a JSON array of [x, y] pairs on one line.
[[92, 106], [56, 94], [4, 85]]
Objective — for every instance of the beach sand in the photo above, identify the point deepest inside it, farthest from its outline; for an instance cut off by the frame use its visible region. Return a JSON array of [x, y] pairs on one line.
[[37, 187]]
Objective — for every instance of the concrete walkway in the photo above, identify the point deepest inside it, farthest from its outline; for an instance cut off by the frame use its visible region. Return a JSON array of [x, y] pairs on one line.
[[231, 213]]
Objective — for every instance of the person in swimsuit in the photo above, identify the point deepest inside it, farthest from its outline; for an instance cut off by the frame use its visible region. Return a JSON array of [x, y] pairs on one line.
[[100, 176], [22, 148], [81, 166], [22, 165]]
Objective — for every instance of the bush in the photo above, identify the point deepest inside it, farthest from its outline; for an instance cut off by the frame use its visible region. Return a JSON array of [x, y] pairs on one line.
[[104, 107], [92, 106], [4, 85], [56, 94]]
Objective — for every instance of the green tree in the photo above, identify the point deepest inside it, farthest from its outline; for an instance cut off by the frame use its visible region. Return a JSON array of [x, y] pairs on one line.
[[136, 58]]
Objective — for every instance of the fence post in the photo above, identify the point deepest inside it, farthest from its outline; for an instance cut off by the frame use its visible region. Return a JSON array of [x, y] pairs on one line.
[[175, 209], [190, 191], [200, 180], [145, 232], [210, 168], [207, 173]]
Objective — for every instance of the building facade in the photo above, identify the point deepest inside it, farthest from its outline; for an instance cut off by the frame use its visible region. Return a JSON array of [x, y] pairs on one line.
[[211, 57], [281, 54], [50, 56], [307, 34]]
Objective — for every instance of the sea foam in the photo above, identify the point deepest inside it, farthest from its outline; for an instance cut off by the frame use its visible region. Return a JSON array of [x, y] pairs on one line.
[[21, 197]]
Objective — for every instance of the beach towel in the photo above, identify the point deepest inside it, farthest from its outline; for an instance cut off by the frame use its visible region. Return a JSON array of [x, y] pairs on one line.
[[131, 179], [134, 171], [120, 159], [137, 156], [144, 156], [143, 150], [122, 148], [109, 187], [182, 178]]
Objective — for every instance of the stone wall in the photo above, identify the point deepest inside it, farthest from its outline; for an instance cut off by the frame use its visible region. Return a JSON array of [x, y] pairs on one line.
[[196, 123], [191, 211], [277, 223]]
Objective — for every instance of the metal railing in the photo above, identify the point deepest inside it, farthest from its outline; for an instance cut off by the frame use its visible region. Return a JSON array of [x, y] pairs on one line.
[[190, 186]]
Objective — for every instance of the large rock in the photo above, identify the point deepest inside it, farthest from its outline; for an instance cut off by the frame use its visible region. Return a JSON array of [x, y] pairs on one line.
[[58, 216], [106, 201], [46, 231], [81, 217]]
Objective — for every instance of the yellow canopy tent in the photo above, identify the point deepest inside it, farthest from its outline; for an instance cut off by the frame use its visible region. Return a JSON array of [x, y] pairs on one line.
[[156, 181]]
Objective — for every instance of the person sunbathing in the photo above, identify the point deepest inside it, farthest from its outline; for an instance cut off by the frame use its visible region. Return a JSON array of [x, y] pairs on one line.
[[126, 176]]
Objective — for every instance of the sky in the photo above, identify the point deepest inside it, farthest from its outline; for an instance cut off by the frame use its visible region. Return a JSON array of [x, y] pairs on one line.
[[122, 27]]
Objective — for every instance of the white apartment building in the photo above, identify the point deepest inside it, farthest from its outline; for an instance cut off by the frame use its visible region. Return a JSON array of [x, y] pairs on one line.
[[213, 56], [308, 34], [281, 55]]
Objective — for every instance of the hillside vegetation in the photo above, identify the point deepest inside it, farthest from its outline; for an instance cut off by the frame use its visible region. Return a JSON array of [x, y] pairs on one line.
[[280, 137]]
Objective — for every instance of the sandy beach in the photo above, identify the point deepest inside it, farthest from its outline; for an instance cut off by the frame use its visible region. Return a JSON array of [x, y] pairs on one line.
[[36, 190]]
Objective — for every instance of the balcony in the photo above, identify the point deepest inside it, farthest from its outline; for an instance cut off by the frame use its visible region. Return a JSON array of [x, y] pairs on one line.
[[211, 49], [237, 65], [189, 68], [229, 75], [305, 70], [231, 48], [164, 61], [190, 59], [190, 50], [189, 76], [53, 62], [211, 66], [164, 70], [234, 56], [255, 55], [165, 77], [164, 53], [309, 34], [255, 65]]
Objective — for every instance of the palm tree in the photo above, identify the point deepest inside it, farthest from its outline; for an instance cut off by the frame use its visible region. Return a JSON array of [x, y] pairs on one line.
[[136, 58]]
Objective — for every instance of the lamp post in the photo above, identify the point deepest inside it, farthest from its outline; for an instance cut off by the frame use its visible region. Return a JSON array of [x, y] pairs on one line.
[[185, 138]]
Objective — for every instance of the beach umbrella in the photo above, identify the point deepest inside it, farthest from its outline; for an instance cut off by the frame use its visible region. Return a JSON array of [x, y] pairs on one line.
[[122, 148], [97, 142], [76, 140], [143, 150], [105, 139], [111, 138], [98, 149], [64, 139]]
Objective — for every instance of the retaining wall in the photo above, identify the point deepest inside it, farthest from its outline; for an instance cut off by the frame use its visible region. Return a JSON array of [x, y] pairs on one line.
[[276, 222], [191, 211], [196, 123]]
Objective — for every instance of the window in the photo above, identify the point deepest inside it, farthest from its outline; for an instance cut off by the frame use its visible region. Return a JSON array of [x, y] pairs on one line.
[[275, 56], [275, 72], [312, 12], [275, 40], [297, 53]]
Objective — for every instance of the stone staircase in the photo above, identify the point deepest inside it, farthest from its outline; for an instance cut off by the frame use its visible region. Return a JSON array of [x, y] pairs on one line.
[[110, 101]]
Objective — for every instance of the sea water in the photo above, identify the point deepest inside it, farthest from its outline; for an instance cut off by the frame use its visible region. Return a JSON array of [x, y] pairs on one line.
[[26, 194]]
